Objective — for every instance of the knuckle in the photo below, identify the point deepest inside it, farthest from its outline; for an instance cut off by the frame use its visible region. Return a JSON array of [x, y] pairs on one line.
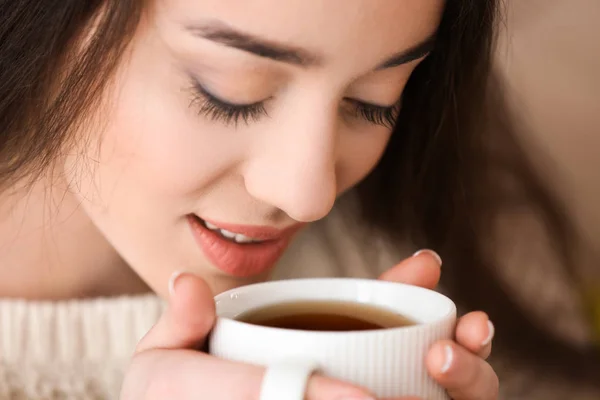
[[479, 382], [487, 385], [494, 387], [474, 377], [133, 387]]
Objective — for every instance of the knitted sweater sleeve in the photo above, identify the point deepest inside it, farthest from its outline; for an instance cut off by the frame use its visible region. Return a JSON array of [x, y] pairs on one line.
[[71, 349]]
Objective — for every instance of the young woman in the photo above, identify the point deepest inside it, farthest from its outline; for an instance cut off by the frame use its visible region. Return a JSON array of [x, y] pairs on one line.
[[142, 138]]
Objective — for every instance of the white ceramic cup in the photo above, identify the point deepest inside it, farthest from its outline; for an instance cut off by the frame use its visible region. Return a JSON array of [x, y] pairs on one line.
[[388, 362]]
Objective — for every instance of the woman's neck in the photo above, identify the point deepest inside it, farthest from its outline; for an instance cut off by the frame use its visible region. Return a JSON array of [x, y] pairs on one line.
[[50, 250]]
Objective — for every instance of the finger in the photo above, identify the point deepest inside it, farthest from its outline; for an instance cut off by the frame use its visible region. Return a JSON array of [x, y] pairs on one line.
[[422, 269], [188, 319], [189, 375], [404, 398], [464, 375], [323, 388], [475, 332]]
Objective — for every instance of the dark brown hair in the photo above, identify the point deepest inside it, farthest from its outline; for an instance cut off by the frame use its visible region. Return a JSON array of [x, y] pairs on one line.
[[51, 73], [454, 163], [434, 185]]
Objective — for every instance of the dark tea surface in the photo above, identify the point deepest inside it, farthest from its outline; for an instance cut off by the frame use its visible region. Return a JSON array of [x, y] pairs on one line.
[[325, 316]]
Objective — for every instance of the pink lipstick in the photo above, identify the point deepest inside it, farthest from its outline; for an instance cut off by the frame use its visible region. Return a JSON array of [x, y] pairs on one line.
[[241, 250]]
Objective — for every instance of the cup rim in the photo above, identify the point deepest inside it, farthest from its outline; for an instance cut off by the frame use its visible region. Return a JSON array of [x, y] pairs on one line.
[[231, 321]]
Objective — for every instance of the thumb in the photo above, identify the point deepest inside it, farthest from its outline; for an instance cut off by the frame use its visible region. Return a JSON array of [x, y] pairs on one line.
[[188, 319]]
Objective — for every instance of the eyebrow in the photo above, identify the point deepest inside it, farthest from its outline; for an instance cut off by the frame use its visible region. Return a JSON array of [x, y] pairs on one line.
[[220, 33], [411, 54]]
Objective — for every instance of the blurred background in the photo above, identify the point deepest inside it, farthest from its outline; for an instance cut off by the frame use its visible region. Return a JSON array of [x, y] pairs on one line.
[[549, 56]]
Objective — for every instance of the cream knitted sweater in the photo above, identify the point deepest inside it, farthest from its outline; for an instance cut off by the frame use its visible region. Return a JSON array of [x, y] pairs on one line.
[[80, 349]]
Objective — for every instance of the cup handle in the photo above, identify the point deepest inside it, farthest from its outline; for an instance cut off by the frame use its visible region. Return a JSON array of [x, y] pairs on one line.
[[287, 380]]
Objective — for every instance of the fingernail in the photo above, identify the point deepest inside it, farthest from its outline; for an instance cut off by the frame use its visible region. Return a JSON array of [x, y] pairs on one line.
[[433, 253], [449, 354], [490, 336], [173, 280]]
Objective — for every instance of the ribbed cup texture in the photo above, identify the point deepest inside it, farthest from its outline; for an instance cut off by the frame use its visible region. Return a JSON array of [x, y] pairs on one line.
[[390, 362]]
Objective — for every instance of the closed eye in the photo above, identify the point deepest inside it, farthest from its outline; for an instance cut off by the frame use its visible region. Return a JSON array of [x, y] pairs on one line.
[[378, 115], [217, 109], [228, 113]]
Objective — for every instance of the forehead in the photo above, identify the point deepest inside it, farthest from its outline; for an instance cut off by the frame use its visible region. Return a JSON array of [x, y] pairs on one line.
[[355, 31]]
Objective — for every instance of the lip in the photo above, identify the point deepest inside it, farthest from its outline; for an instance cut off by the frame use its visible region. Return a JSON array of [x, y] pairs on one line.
[[242, 259]]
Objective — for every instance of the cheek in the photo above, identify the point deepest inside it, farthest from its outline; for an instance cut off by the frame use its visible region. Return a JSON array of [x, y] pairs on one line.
[[358, 156]]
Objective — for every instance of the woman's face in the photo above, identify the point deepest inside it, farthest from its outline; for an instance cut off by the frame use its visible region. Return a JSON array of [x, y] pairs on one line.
[[248, 115]]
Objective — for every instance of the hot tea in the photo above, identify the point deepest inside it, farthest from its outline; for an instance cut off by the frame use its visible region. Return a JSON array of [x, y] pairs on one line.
[[325, 316]]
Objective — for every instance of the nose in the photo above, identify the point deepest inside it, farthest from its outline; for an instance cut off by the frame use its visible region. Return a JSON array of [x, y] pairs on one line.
[[294, 169]]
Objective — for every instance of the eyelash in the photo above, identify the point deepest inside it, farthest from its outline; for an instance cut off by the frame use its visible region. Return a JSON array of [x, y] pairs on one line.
[[377, 115], [222, 111], [231, 114]]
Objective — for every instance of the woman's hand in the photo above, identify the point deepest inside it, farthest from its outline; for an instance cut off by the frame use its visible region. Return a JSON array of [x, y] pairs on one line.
[[167, 364], [458, 366]]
